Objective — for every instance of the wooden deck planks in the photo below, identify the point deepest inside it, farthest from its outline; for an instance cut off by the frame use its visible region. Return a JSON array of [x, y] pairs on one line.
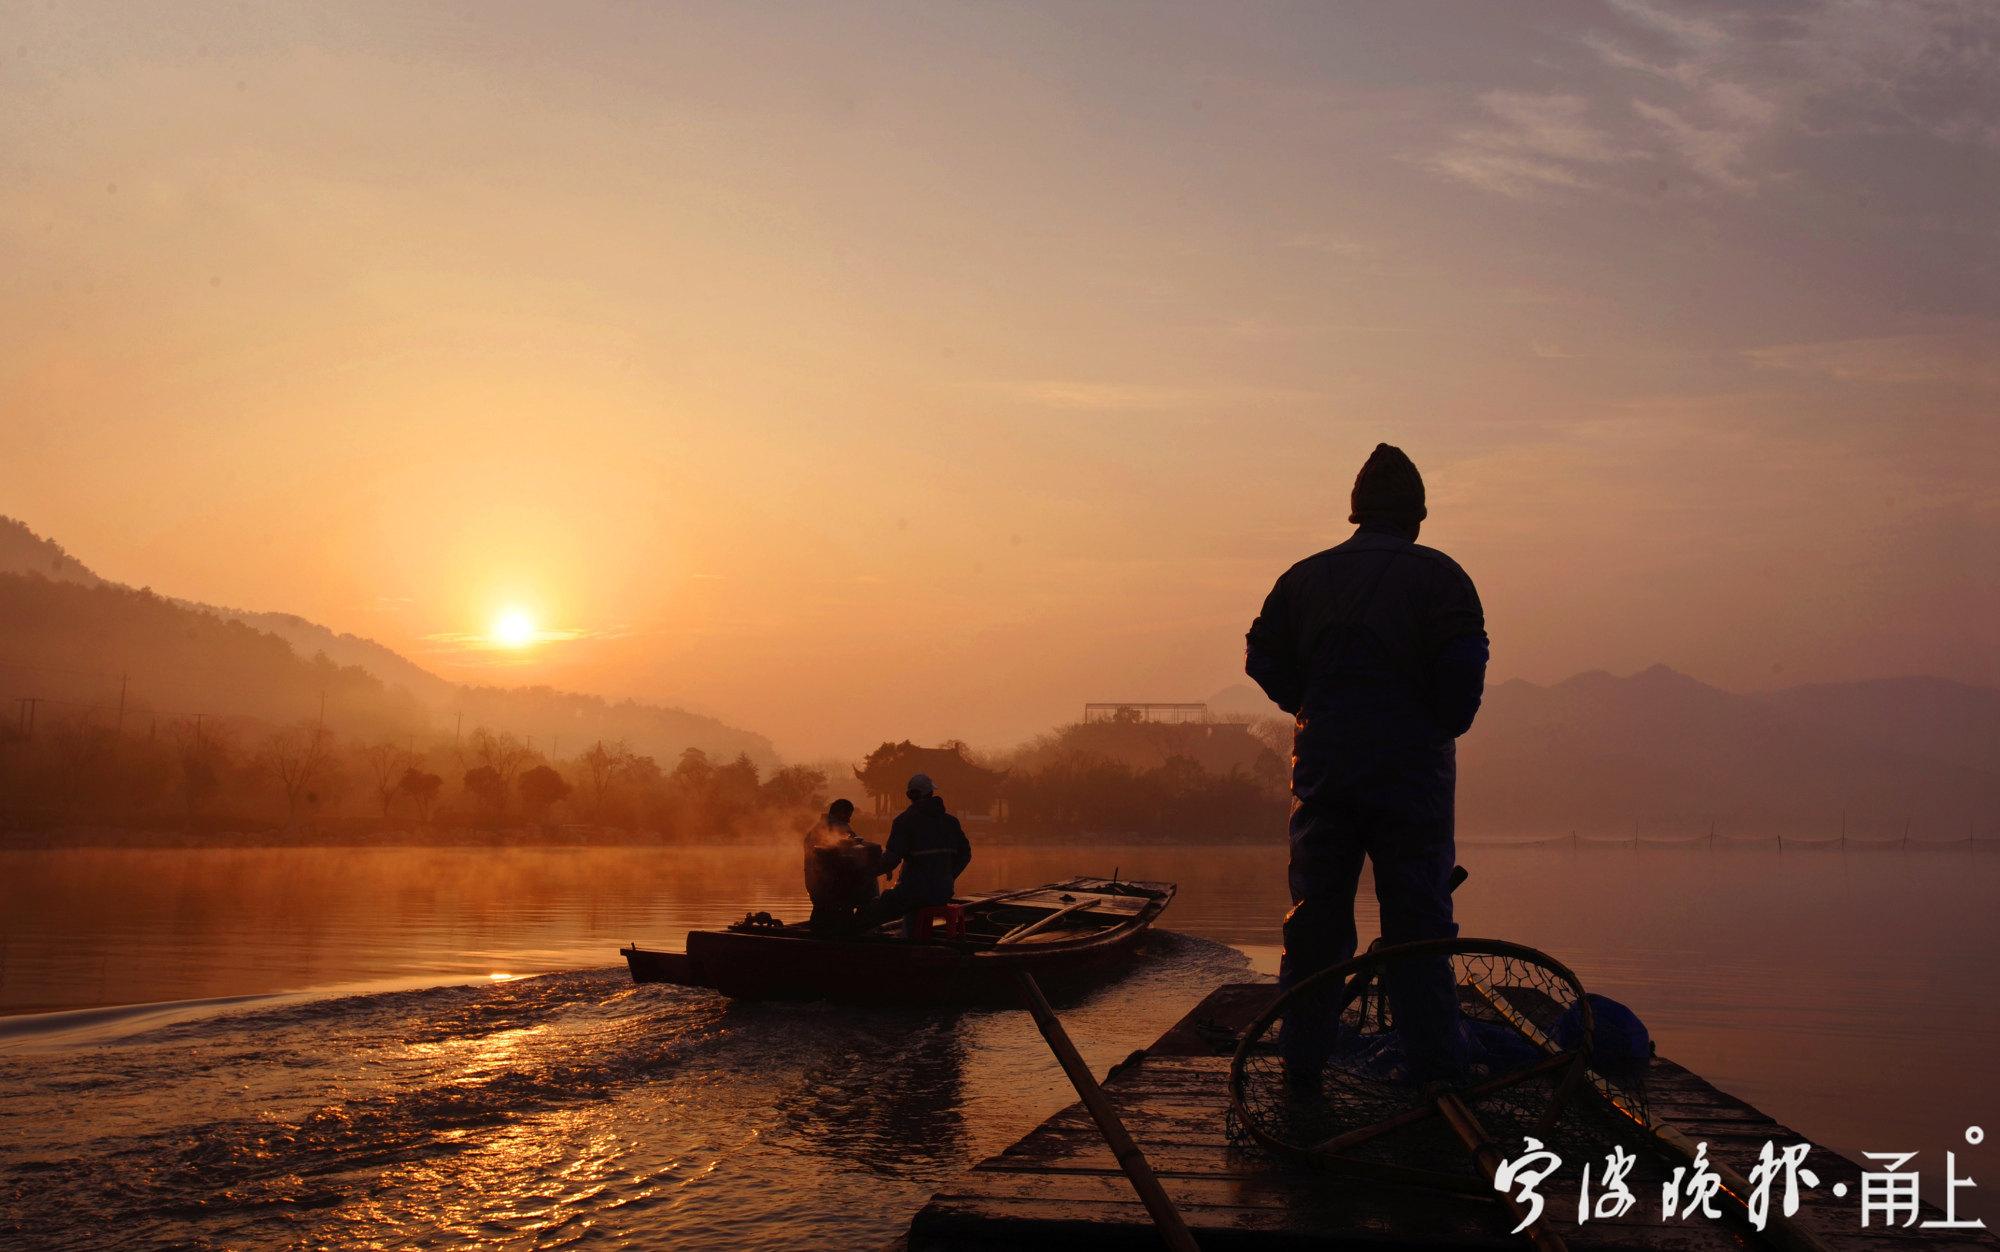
[[1059, 1187]]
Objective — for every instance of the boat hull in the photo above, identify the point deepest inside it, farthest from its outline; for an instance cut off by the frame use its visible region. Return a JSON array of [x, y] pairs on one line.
[[791, 964]]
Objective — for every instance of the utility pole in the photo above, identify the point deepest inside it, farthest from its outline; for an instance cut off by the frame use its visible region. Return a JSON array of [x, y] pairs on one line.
[[121, 705], [457, 725], [28, 704], [322, 708]]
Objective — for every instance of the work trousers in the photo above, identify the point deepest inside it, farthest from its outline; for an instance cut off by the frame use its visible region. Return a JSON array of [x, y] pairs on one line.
[[1412, 854]]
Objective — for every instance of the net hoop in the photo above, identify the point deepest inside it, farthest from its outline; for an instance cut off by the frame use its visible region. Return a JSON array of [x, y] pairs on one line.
[[1567, 1068]]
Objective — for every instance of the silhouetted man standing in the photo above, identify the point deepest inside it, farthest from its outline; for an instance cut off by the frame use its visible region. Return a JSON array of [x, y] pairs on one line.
[[1377, 648]]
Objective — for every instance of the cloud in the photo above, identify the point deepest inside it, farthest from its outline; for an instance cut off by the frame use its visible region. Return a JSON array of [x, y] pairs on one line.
[[1520, 177], [1920, 68], [1333, 245], [1716, 153], [1924, 67], [1966, 356], [480, 648], [1531, 144], [1723, 95], [1265, 330], [1679, 26], [1095, 397], [1549, 125]]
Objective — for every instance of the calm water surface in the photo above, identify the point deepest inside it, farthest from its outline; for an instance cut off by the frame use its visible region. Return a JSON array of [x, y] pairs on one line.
[[334, 1047]]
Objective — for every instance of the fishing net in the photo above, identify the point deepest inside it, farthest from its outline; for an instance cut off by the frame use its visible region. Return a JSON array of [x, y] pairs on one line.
[[1354, 1068]]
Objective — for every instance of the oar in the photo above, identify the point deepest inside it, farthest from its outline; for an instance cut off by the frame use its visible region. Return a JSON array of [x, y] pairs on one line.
[[1173, 1231]]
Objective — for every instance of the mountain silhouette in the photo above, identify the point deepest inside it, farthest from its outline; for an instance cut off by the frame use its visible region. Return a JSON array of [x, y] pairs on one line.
[[73, 639]]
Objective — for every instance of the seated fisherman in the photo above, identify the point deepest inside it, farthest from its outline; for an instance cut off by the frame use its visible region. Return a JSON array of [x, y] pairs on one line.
[[930, 846], [841, 868]]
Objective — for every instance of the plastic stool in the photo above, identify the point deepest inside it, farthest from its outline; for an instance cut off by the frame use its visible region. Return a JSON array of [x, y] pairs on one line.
[[952, 915]]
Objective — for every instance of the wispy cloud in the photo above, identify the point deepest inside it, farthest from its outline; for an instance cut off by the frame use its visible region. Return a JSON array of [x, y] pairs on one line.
[[1716, 94], [1095, 397], [1333, 245], [1529, 145], [1963, 356], [1714, 153], [481, 648]]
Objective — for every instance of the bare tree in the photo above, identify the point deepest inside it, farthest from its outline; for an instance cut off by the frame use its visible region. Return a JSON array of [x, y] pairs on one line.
[[386, 765], [603, 768], [501, 753], [204, 754], [81, 749], [302, 757]]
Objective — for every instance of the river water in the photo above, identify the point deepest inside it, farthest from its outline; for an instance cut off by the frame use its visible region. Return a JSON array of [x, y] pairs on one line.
[[425, 1047]]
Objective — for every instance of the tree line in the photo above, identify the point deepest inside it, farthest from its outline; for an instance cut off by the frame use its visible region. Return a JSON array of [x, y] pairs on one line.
[[1151, 780], [210, 775], [213, 774]]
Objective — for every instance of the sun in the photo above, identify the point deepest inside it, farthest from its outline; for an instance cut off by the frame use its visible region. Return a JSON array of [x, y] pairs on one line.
[[514, 629]]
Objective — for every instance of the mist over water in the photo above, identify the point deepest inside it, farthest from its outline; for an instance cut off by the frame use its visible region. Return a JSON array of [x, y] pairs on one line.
[[1847, 994]]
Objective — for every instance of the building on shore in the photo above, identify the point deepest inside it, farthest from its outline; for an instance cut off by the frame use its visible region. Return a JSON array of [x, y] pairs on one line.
[[968, 787]]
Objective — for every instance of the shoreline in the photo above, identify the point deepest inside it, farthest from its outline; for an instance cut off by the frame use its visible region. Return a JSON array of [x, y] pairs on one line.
[[186, 840]]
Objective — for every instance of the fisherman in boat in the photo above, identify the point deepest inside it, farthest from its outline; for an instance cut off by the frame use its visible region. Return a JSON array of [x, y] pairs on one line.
[[841, 869], [931, 848], [1378, 649]]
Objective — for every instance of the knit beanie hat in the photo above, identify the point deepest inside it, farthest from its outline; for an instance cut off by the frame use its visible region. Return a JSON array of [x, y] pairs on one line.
[[1388, 488]]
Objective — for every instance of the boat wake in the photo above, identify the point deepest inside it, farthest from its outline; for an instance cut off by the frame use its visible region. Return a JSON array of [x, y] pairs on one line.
[[541, 1109]]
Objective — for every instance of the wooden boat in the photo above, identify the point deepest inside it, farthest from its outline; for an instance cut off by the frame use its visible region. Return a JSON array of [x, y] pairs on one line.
[[1059, 932]]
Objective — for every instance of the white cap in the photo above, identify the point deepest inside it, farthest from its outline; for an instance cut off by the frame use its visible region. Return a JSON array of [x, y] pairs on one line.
[[921, 785]]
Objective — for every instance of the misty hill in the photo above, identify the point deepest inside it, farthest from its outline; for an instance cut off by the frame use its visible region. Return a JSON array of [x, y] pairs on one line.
[[1932, 717], [310, 638], [79, 649], [67, 636], [1661, 754], [22, 551]]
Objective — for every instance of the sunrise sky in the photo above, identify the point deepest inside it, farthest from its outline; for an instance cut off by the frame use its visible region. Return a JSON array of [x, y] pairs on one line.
[[854, 372]]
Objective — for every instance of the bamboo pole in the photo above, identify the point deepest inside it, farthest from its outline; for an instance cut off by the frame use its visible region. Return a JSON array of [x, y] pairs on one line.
[[1466, 1126], [1166, 1218], [1041, 923]]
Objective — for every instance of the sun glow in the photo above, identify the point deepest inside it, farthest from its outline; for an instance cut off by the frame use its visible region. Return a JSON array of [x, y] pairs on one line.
[[514, 629]]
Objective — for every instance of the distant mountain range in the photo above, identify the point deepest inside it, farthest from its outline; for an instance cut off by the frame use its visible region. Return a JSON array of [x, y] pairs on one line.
[[1658, 754], [72, 639], [1655, 754]]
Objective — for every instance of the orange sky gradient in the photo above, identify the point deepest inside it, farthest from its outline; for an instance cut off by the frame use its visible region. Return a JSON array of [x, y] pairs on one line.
[[860, 372]]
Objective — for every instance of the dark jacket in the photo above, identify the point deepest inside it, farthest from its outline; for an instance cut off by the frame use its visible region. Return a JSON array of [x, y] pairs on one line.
[[840, 865], [1378, 649], [933, 850]]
